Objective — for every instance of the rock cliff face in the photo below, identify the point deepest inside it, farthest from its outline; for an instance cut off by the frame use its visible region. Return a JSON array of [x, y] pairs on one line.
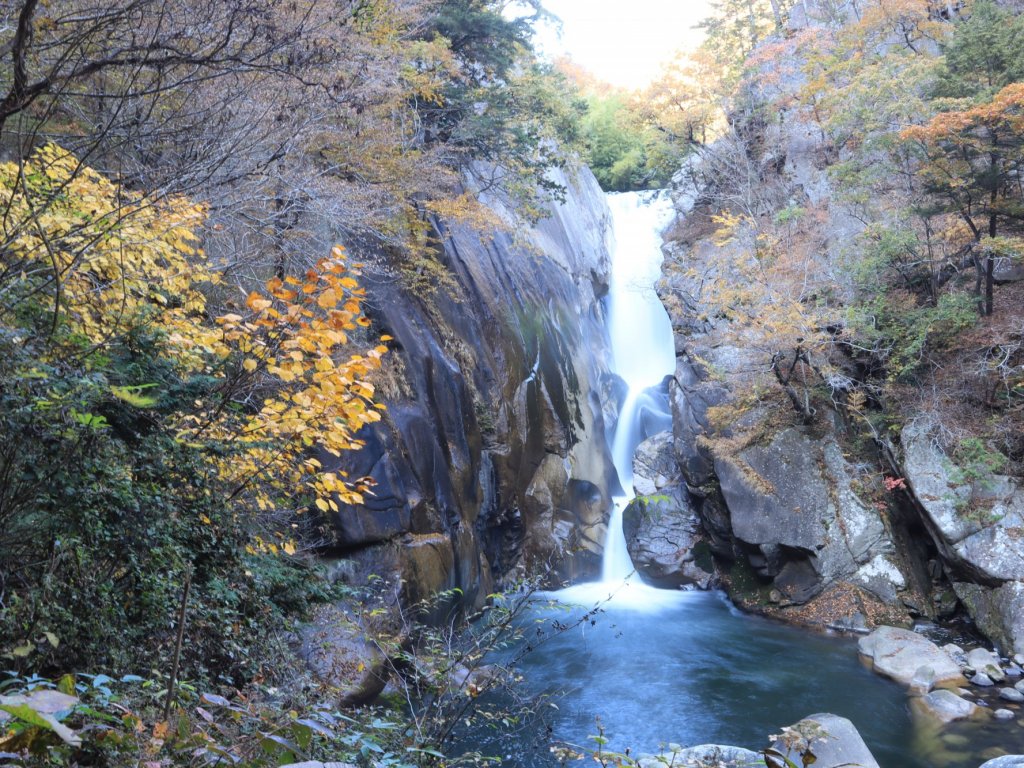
[[492, 457], [819, 507], [792, 504], [784, 500]]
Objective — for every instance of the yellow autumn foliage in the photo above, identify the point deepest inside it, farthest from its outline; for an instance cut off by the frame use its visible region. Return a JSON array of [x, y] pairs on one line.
[[105, 262], [108, 259]]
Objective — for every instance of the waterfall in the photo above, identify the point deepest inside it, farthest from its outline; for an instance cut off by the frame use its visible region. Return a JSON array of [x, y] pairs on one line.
[[643, 354]]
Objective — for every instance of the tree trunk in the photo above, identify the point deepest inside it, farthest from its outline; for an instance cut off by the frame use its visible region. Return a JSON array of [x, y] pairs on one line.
[[990, 269], [777, 13]]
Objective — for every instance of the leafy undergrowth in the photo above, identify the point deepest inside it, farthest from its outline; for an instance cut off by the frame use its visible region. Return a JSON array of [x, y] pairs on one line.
[[91, 720]]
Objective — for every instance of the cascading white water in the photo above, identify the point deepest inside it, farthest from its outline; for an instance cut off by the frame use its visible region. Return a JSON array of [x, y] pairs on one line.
[[643, 354]]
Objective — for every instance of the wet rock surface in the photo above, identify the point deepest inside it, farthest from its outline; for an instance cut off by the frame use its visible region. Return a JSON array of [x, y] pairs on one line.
[[662, 530], [944, 706], [494, 438]]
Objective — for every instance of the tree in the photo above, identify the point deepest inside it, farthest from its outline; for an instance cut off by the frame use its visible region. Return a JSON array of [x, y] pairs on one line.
[[973, 160], [735, 28], [145, 440], [686, 101], [972, 150]]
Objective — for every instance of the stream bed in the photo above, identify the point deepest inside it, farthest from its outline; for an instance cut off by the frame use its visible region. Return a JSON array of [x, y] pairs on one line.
[[659, 667]]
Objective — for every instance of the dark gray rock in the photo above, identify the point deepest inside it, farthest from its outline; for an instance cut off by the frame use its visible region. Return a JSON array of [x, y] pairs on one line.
[[660, 526], [494, 437], [661, 535]]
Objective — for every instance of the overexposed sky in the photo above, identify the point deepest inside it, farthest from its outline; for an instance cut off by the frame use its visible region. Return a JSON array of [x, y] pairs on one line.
[[623, 41]]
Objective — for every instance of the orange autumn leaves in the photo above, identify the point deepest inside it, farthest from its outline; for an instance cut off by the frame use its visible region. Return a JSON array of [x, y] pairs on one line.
[[293, 346]]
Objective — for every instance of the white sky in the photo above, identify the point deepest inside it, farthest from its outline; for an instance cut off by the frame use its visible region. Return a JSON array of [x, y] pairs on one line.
[[623, 41]]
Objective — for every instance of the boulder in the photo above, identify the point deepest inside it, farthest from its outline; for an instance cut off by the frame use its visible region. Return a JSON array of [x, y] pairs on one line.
[[710, 755], [336, 651], [660, 525], [1008, 270], [982, 680], [923, 682], [661, 535], [899, 653], [654, 465], [794, 500], [997, 611], [986, 662], [833, 740], [943, 705], [981, 547]]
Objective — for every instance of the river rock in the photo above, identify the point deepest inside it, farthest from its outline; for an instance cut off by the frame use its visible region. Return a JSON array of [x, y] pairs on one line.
[[833, 740], [1019, 685], [956, 653], [982, 680], [704, 755], [1011, 694], [944, 705], [660, 525], [924, 681], [1003, 714], [899, 653], [336, 651], [983, 660], [1006, 761]]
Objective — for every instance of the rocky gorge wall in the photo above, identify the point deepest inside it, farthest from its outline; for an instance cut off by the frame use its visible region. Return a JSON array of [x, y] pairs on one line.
[[492, 459], [799, 517]]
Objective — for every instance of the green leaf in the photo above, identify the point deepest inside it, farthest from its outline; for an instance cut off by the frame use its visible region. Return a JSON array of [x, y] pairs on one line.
[[67, 685], [26, 714], [133, 395]]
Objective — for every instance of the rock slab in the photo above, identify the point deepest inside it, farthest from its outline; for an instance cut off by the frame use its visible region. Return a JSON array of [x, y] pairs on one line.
[[900, 653], [833, 740], [944, 706]]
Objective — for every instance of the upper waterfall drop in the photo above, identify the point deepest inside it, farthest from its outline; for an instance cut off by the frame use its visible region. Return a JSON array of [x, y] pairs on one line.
[[643, 354]]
